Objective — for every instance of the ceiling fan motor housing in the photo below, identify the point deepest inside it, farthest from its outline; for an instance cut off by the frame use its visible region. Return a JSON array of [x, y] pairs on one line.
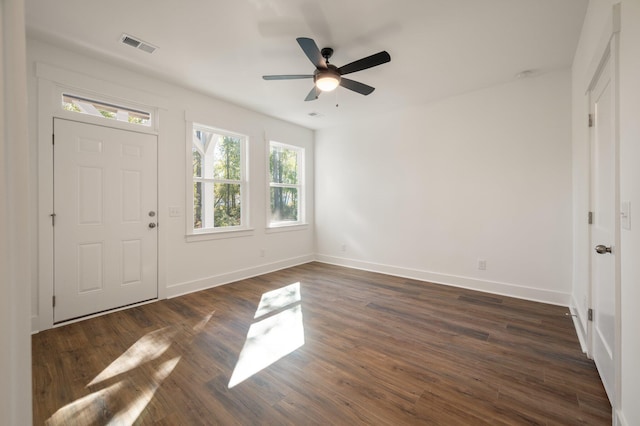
[[326, 52], [331, 71]]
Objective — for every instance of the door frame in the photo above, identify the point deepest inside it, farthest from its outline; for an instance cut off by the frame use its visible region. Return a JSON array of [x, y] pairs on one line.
[[607, 50], [593, 240], [52, 82]]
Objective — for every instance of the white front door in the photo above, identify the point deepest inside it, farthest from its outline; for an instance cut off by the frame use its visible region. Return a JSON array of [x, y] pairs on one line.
[[603, 229], [105, 204]]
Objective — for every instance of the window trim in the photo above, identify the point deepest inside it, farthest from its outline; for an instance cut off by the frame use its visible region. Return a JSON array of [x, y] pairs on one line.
[[193, 234], [60, 81], [301, 223]]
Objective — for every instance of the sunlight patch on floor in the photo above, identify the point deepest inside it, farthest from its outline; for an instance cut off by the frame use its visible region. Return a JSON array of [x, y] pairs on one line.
[[274, 337], [147, 348], [278, 299], [146, 393], [141, 368], [83, 410], [203, 322]]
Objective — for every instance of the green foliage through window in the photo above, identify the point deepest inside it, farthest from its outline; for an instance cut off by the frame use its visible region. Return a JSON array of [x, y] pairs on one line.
[[285, 183], [217, 179]]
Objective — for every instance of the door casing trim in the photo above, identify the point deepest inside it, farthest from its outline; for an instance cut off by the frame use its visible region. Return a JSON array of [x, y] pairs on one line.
[[50, 82], [607, 49]]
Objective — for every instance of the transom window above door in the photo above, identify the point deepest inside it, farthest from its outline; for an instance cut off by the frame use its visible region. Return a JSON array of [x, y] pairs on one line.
[[105, 110]]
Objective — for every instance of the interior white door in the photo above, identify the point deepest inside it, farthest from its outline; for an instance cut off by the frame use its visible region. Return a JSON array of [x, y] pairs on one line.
[[603, 196], [105, 204]]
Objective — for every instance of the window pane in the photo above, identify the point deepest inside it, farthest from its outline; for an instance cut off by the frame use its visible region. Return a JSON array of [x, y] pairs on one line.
[[284, 204], [227, 158], [103, 109], [197, 163], [226, 205], [217, 171], [283, 165], [197, 205]]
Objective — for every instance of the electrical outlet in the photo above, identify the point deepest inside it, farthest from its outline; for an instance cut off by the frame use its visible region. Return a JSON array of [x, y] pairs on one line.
[[262, 253], [482, 264], [343, 247]]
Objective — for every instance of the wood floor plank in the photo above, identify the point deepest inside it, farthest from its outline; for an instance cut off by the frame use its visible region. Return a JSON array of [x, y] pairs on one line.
[[376, 349]]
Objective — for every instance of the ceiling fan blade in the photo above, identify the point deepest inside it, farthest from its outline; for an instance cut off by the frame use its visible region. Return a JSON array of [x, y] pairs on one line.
[[286, 77], [313, 94], [356, 86], [310, 48], [364, 63]]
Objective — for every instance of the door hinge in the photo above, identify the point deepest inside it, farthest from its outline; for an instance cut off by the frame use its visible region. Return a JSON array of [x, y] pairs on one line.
[[53, 219], [53, 301], [590, 120], [590, 314], [590, 218]]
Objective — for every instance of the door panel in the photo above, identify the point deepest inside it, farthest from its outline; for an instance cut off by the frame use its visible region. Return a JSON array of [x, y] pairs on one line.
[[105, 186], [131, 261], [603, 195]]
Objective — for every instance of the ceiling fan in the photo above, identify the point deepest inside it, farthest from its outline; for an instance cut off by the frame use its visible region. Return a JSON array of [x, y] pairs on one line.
[[327, 76]]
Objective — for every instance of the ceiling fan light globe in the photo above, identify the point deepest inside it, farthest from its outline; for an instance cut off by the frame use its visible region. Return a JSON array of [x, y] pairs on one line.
[[327, 83]]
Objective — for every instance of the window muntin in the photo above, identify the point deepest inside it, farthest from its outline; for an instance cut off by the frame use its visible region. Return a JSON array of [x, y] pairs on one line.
[[105, 110], [286, 186], [219, 180]]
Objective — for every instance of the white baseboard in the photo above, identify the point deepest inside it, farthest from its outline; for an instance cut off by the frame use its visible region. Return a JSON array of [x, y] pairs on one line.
[[180, 289], [619, 419], [35, 324], [504, 289], [208, 282], [578, 323]]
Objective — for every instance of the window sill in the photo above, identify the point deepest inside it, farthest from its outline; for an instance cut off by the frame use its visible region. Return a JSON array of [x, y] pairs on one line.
[[287, 228], [220, 235]]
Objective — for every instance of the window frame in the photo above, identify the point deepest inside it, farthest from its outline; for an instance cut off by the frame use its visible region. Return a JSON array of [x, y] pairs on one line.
[[300, 186], [60, 90], [244, 229], [102, 105]]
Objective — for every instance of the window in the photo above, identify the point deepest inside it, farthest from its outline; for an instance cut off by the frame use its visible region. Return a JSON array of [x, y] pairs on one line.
[[219, 180], [105, 110], [286, 184]]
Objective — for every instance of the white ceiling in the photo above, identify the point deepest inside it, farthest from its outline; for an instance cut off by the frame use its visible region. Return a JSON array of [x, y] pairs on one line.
[[438, 48]]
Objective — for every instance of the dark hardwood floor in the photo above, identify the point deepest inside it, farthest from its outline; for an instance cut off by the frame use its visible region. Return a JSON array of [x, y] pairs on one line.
[[342, 347]]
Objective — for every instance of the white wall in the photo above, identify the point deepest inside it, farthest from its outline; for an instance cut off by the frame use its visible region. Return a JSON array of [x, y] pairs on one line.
[[15, 350], [187, 266], [630, 191], [428, 191]]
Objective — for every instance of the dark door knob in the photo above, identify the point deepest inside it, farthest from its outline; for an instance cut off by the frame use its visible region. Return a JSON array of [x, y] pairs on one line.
[[600, 249], [152, 225]]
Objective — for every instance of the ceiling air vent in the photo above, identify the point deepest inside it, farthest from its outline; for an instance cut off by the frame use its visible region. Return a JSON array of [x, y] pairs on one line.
[[137, 43], [146, 47]]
